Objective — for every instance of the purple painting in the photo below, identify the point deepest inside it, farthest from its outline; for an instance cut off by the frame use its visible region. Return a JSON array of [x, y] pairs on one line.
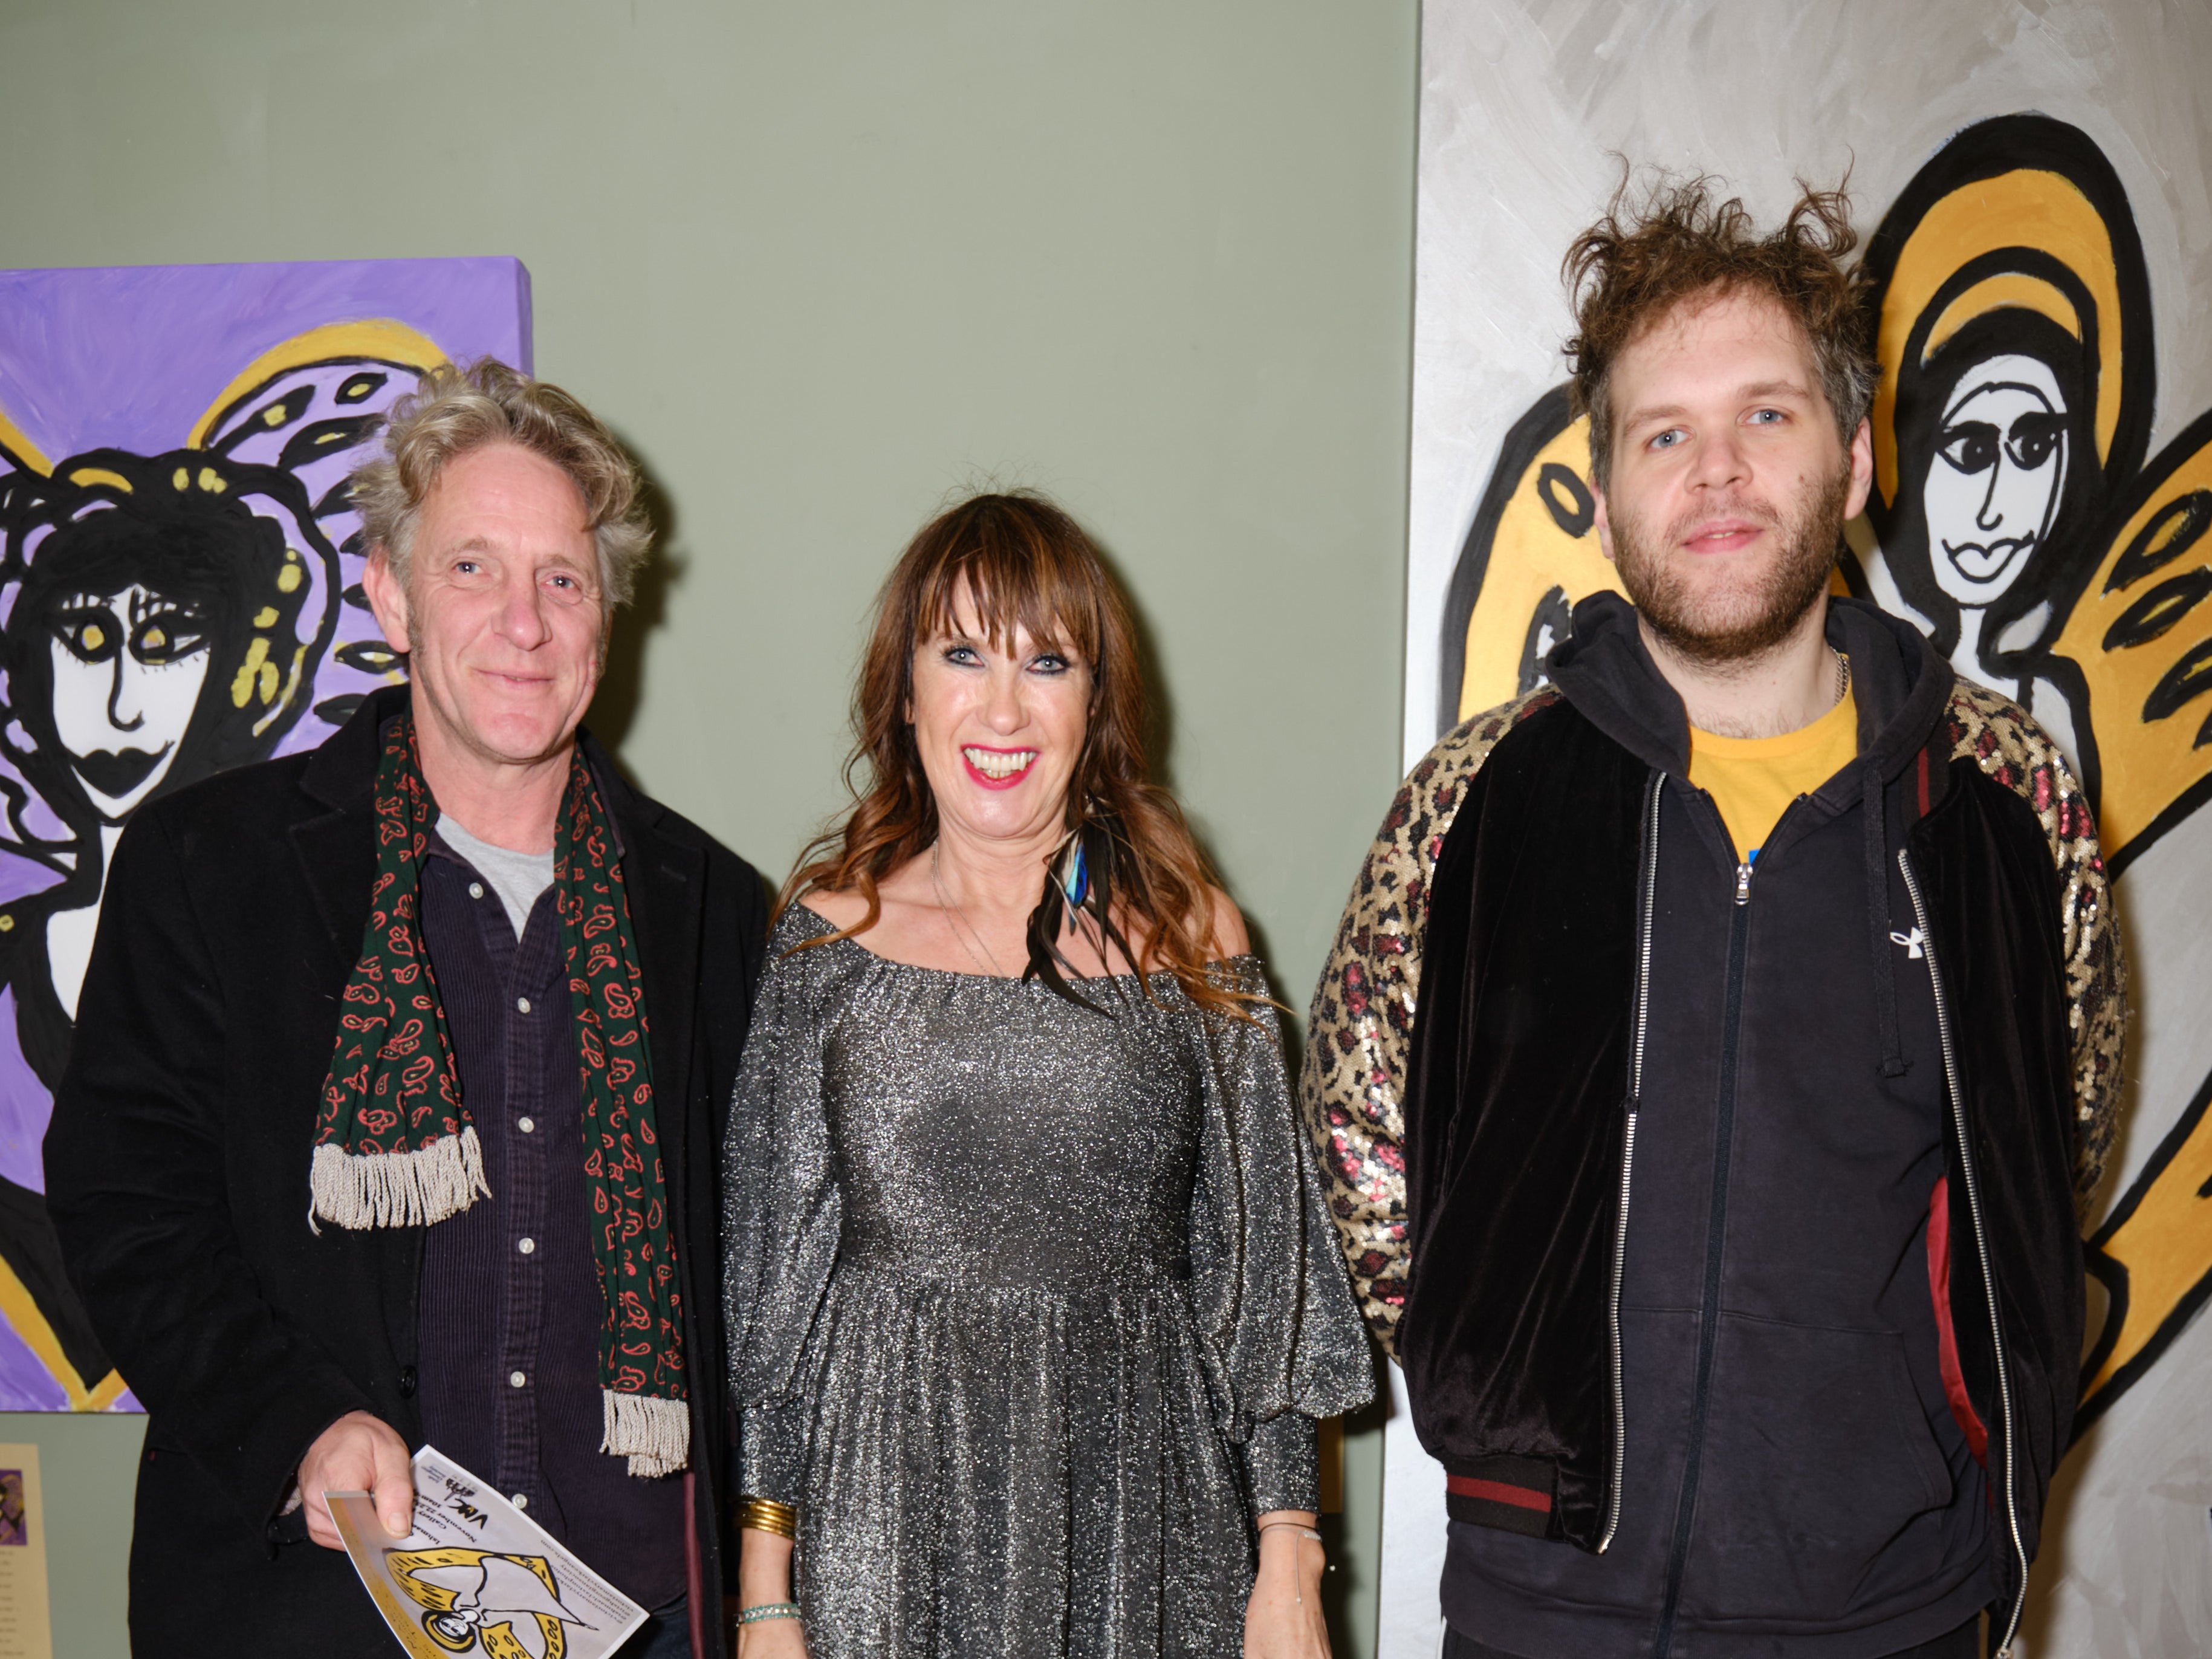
[[179, 592]]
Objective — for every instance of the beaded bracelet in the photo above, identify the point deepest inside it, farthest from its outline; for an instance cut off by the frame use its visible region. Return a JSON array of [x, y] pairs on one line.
[[768, 1610]]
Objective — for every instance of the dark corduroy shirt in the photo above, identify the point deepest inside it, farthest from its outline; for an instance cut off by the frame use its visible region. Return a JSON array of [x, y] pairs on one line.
[[509, 1311]]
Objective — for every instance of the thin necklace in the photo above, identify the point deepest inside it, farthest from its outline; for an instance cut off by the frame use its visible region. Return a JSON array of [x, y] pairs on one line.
[[951, 910], [1842, 673]]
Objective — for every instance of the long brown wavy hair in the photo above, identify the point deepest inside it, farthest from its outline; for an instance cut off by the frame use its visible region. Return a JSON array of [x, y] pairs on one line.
[[1024, 562]]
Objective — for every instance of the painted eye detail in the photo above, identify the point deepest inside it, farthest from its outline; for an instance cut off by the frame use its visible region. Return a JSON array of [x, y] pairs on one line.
[[2033, 436], [91, 635], [1970, 447], [166, 637]]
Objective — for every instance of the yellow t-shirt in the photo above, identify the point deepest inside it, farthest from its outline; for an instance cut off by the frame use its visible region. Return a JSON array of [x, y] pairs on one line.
[[1754, 780]]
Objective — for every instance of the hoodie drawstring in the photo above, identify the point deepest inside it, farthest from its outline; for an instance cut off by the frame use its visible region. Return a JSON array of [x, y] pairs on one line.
[[1876, 837]]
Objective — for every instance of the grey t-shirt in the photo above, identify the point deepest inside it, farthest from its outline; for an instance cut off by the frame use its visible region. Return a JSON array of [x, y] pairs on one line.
[[517, 877]]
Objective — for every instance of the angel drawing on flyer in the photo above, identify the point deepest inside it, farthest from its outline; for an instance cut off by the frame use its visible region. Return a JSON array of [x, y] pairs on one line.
[[504, 1607]]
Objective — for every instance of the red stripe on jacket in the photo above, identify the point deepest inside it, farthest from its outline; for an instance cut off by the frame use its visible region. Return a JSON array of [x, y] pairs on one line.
[[1946, 1340], [1496, 1492]]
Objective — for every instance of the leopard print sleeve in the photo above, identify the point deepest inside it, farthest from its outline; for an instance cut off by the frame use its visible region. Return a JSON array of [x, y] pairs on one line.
[[1360, 1033], [2004, 741]]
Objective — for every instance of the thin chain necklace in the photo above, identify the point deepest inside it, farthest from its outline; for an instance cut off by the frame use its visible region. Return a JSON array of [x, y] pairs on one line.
[[1842, 673], [988, 962]]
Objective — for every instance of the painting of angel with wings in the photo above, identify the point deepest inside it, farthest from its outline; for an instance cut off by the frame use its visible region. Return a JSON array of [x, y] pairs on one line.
[[169, 609]]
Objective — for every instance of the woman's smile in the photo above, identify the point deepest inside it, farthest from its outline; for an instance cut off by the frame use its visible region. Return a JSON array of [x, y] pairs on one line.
[[997, 768]]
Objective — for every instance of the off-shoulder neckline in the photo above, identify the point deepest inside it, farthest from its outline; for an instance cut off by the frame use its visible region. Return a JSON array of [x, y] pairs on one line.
[[824, 927]]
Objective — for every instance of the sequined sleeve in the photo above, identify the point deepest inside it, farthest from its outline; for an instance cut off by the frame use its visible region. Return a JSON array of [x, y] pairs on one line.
[[1360, 1032], [782, 1213], [1267, 1281], [2004, 740]]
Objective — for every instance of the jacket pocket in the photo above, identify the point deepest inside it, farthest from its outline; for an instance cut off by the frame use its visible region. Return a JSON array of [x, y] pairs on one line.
[[1821, 1484]]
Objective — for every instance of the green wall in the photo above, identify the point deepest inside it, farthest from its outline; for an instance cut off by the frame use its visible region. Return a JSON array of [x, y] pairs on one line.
[[821, 265]]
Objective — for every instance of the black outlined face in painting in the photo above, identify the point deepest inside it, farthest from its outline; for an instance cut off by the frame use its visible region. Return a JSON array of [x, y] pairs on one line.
[[127, 669], [1998, 473], [2010, 311], [146, 620]]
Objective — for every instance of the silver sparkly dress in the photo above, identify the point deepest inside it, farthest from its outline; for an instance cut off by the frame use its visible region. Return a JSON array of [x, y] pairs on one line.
[[1031, 1309]]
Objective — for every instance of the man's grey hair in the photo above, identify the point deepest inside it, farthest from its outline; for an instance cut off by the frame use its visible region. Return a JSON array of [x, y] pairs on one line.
[[455, 410]]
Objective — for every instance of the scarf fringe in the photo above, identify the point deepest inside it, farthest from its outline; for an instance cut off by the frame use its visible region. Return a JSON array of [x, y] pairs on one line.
[[655, 1435], [397, 1189]]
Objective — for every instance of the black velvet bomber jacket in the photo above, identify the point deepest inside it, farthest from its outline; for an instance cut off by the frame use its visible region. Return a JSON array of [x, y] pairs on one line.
[[1723, 1216]]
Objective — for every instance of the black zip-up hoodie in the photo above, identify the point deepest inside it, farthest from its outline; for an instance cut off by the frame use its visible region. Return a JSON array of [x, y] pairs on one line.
[[1683, 1251]]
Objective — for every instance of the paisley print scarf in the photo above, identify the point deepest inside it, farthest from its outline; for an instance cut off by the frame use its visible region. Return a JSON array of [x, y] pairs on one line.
[[394, 1146]]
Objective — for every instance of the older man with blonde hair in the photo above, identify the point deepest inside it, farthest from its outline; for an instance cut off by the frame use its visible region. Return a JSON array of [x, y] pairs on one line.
[[400, 1074]]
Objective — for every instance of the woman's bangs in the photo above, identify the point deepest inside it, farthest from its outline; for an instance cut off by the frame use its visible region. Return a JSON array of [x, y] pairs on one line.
[[1011, 588]]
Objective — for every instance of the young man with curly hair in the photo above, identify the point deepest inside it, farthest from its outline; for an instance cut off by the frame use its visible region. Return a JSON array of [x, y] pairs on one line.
[[1719, 1037]]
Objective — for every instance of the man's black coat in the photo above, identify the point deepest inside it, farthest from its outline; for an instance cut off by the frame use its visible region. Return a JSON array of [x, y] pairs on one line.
[[177, 1173]]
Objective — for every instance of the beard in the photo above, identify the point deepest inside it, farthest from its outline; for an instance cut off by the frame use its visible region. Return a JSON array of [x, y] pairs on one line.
[[1716, 622]]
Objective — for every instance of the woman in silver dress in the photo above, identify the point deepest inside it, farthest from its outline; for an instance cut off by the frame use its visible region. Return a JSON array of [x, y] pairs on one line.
[[1033, 1300]]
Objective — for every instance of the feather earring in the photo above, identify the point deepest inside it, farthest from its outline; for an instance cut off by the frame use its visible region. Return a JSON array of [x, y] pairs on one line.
[[1072, 870], [1078, 886]]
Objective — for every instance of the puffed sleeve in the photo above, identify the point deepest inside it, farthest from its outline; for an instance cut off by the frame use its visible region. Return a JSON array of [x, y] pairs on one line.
[[1266, 1277], [782, 1214]]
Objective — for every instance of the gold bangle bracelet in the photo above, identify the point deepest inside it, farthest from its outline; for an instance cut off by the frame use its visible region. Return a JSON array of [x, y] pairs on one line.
[[765, 1514]]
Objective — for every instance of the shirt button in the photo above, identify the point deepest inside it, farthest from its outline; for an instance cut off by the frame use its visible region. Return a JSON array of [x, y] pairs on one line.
[[521, 1500], [516, 1379], [528, 1126], [526, 1246], [522, 1004], [476, 890]]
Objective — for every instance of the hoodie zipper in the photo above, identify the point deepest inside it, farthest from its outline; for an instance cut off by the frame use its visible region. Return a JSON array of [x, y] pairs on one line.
[[1628, 1151], [1981, 1243], [1738, 947]]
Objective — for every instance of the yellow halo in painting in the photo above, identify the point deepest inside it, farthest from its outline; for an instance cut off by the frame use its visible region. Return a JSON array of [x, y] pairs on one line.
[[378, 338], [2034, 211], [2015, 290]]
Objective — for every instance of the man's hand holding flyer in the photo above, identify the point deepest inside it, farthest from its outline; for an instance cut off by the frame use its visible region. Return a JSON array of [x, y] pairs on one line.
[[478, 1577]]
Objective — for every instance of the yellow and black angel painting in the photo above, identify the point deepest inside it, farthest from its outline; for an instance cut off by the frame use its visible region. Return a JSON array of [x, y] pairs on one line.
[[2015, 515], [2016, 519]]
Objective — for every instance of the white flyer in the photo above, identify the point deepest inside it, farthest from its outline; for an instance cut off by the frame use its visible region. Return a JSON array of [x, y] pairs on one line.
[[478, 1577]]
